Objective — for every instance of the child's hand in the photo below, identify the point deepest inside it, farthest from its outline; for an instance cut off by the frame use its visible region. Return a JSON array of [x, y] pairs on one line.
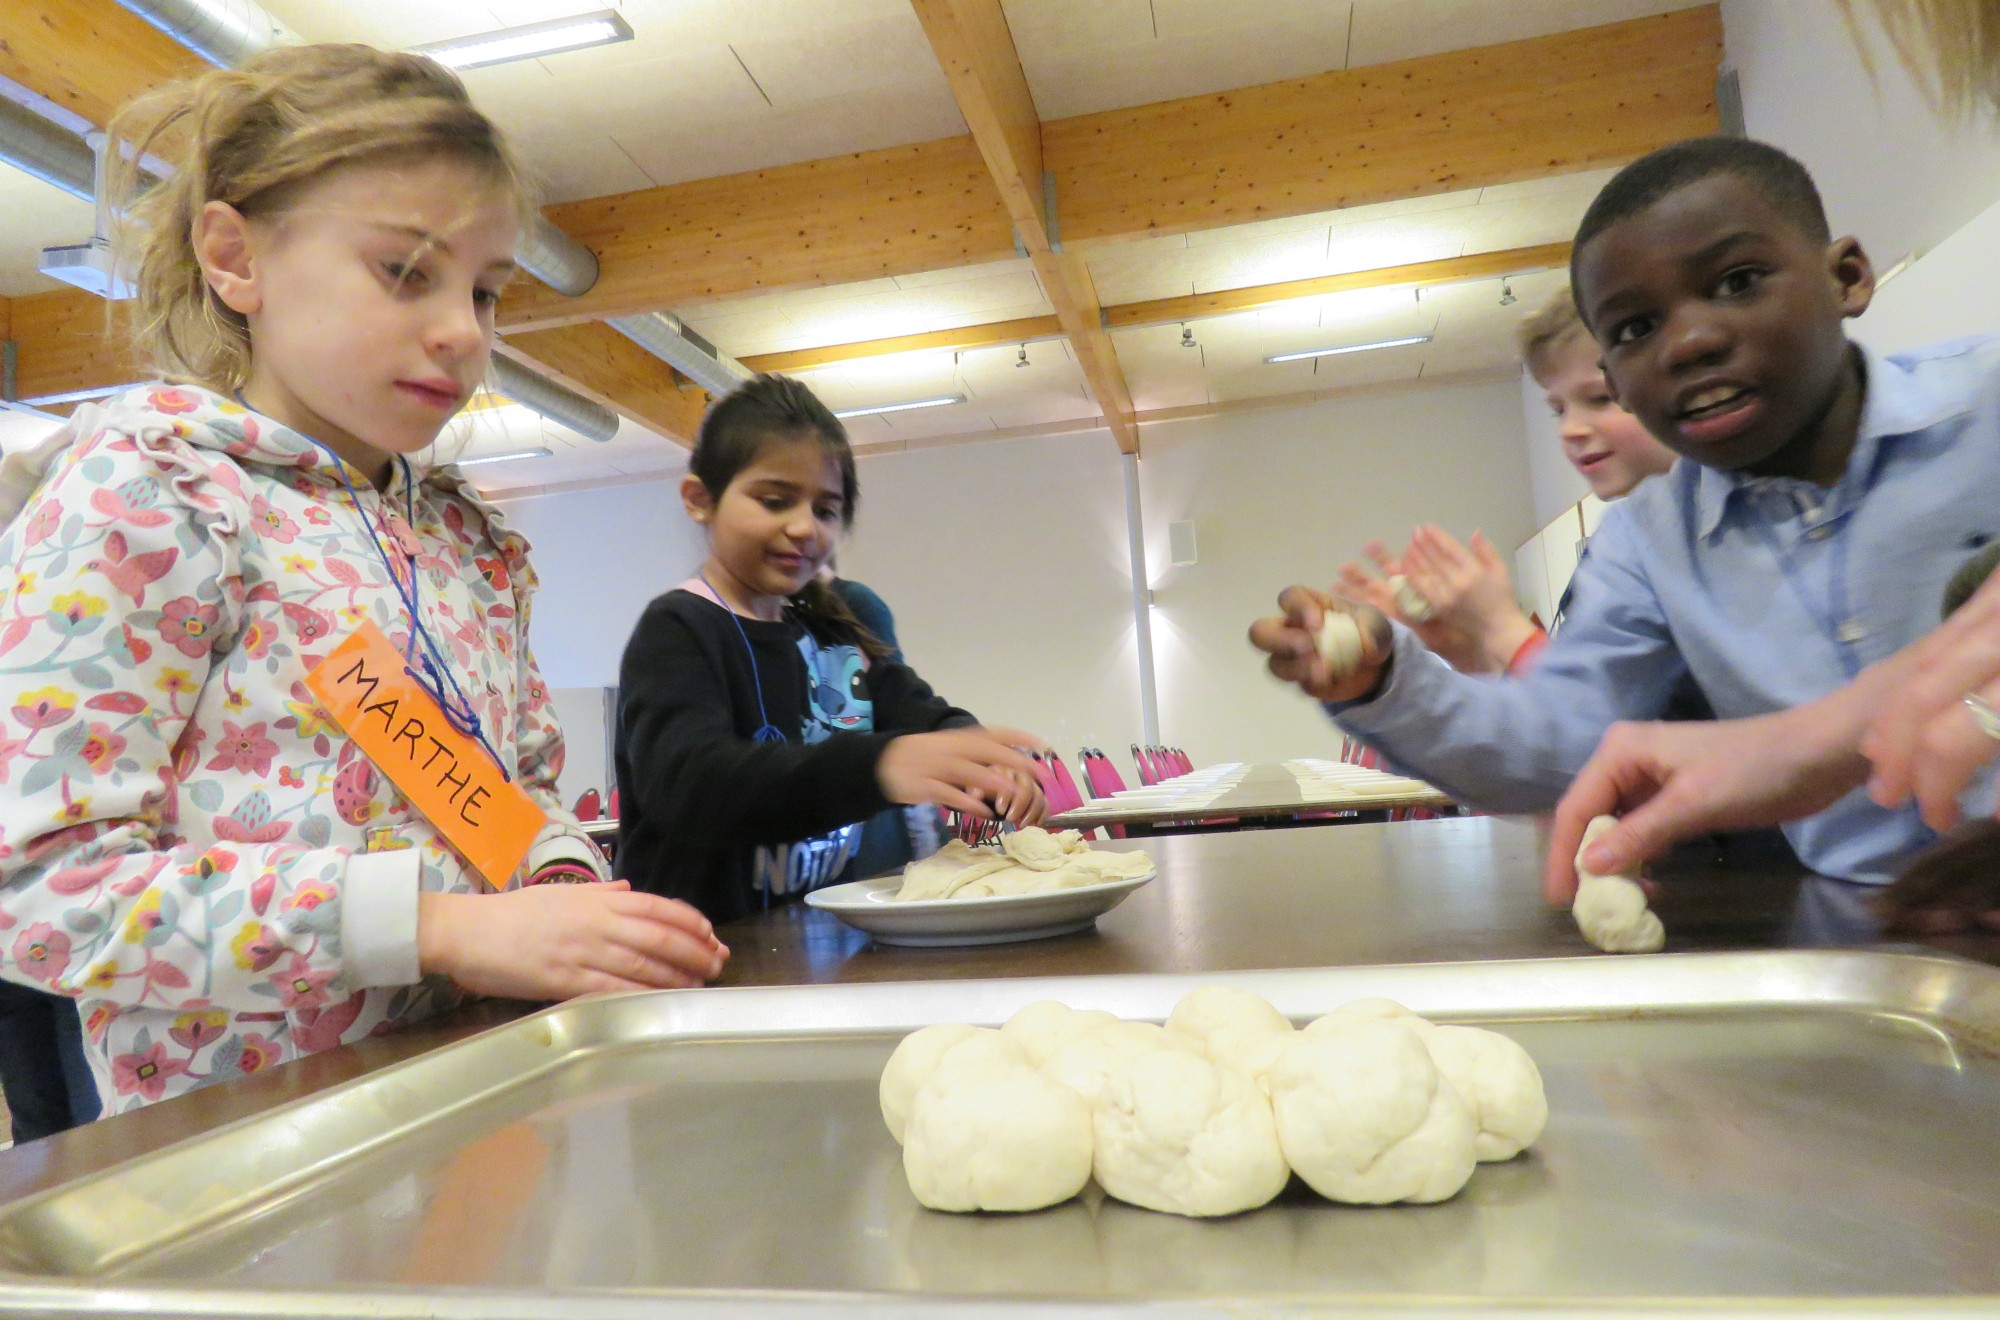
[[1469, 588], [1459, 649], [960, 769], [559, 941], [1024, 805], [1292, 642]]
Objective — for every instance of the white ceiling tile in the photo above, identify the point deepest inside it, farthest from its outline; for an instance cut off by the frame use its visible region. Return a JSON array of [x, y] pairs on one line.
[[1586, 184], [844, 59], [678, 149], [1404, 29], [567, 165], [1046, 28], [984, 298]]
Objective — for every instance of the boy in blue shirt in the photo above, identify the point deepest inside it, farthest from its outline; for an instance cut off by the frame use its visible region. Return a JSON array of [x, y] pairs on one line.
[[1827, 497]]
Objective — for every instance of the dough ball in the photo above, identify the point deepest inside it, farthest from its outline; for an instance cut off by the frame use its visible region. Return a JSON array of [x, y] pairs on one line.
[[921, 1053], [1046, 1026], [1340, 643], [1365, 1117], [1035, 848], [1498, 1082], [996, 1136], [1174, 1132], [1227, 1024], [1611, 910], [1085, 1062], [1410, 601], [1369, 1010]]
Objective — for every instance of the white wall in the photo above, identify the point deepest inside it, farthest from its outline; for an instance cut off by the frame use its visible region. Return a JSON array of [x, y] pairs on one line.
[[1006, 563], [1890, 171], [1953, 290], [601, 555]]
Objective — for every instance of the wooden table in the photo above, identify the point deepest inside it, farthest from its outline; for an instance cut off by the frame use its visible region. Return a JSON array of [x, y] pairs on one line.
[[1266, 795], [1416, 891]]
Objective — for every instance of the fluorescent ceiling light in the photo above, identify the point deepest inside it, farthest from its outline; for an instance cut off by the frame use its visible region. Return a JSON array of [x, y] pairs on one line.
[[529, 41], [80, 396], [903, 407], [1347, 348], [508, 457]]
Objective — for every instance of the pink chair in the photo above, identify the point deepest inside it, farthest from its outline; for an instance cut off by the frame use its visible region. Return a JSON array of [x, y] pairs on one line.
[[1183, 760], [590, 806], [612, 812], [1149, 770], [1058, 787], [1103, 779]]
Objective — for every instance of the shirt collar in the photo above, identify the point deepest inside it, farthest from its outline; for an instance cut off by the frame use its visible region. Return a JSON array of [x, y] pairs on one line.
[[1893, 405]]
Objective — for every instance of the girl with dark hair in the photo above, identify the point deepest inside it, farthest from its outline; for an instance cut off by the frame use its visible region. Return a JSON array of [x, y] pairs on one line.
[[758, 723]]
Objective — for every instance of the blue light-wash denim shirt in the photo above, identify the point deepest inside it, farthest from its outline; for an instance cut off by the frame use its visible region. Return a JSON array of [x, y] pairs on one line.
[[1770, 591]]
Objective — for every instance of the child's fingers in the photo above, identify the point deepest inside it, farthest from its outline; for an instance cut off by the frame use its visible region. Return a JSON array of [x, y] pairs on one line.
[[667, 911], [637, 949], [1378, 552]]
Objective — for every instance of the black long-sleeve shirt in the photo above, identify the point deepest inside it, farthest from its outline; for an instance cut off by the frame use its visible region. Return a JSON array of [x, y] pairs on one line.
[[711, 815]]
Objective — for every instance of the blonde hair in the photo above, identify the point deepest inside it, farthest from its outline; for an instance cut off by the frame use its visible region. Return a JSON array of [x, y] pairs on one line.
[[250, 136], [1951, 47], [1548, 330]]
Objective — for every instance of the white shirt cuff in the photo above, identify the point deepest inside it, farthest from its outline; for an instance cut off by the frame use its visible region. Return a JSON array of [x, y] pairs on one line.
[[378, 919]]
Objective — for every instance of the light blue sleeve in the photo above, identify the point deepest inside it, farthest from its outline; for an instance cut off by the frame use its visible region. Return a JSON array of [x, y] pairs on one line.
[[1513, 744]]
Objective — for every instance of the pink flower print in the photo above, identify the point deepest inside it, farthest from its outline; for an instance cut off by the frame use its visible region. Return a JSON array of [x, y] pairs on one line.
[[244, 750], [99, 1019], [301, 986], [44, 708], [257, 638], [312, 625], [146, 1074], [308, 896], [321, 1029], [101, 749], [42, 951], [172, 402], [273, 521], [318, 516], [290, 778], [197, 1031], [42, 525], [186, 623], [256, 946], [259, 1052]]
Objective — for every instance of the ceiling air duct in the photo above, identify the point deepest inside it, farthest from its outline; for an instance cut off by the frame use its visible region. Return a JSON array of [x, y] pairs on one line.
[[558, 403]]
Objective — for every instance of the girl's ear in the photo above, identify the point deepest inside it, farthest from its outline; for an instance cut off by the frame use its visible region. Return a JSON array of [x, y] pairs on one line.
[[223, 246], [700, 505]]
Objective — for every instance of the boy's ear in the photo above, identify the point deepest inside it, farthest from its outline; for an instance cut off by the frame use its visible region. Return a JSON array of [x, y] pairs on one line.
[[1852, 274], [696, 500], [223, 246]]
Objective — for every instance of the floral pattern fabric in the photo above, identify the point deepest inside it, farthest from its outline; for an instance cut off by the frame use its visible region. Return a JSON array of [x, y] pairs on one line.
[[178, 817]]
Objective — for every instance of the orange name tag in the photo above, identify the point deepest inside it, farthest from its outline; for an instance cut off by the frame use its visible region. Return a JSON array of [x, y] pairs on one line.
[[446, 775]]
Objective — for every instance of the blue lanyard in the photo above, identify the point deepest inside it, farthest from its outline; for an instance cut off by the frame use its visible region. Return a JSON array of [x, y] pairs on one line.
[[767, 732]]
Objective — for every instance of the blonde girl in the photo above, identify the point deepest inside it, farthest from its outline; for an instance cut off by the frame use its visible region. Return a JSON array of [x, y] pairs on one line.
[[190, 844]]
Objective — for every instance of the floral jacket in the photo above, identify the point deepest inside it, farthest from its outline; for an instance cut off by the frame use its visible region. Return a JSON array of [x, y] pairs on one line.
[[188, 844]]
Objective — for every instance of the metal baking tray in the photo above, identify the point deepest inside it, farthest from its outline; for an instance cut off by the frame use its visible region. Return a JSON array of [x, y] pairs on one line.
[[1821, 1128]]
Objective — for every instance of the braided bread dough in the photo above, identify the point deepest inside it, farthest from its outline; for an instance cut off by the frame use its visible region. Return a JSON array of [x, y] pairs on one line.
[[1611, 910]]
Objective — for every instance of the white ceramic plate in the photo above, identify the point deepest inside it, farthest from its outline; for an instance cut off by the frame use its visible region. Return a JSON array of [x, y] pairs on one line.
[[871, 905]]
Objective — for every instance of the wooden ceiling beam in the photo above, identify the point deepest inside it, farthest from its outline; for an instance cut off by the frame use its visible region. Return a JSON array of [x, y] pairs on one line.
[[68, 341], [1189, 307], [603, 365], [1026, 330], [976, 49], [89, 57], [1417, 274], [1550, 105], [1558, 104]]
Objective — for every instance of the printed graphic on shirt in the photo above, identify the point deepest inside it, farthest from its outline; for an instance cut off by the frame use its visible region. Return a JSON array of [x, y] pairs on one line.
[[836, 702]]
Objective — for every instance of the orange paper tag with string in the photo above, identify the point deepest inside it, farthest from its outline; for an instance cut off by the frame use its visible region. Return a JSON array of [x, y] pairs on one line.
[[449, 777]]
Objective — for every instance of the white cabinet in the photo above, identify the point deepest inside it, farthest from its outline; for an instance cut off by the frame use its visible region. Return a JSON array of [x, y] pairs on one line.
[[1545, 562]]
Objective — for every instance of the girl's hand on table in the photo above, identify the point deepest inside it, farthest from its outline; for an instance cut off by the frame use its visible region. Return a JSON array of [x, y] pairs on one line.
[[559, 941]]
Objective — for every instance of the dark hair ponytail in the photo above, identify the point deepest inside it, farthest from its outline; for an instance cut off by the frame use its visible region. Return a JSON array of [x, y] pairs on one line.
[[763, 410]]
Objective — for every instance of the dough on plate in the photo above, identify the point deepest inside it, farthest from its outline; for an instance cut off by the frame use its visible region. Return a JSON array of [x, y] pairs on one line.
[[1498, 1082], [1175, 1132], [1410, 601], [1046, 1025], [1611, 910], [1365, 1117], [948, 870], [1340, 643], [921, 1053], [1039, 850], [996, 1136]]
